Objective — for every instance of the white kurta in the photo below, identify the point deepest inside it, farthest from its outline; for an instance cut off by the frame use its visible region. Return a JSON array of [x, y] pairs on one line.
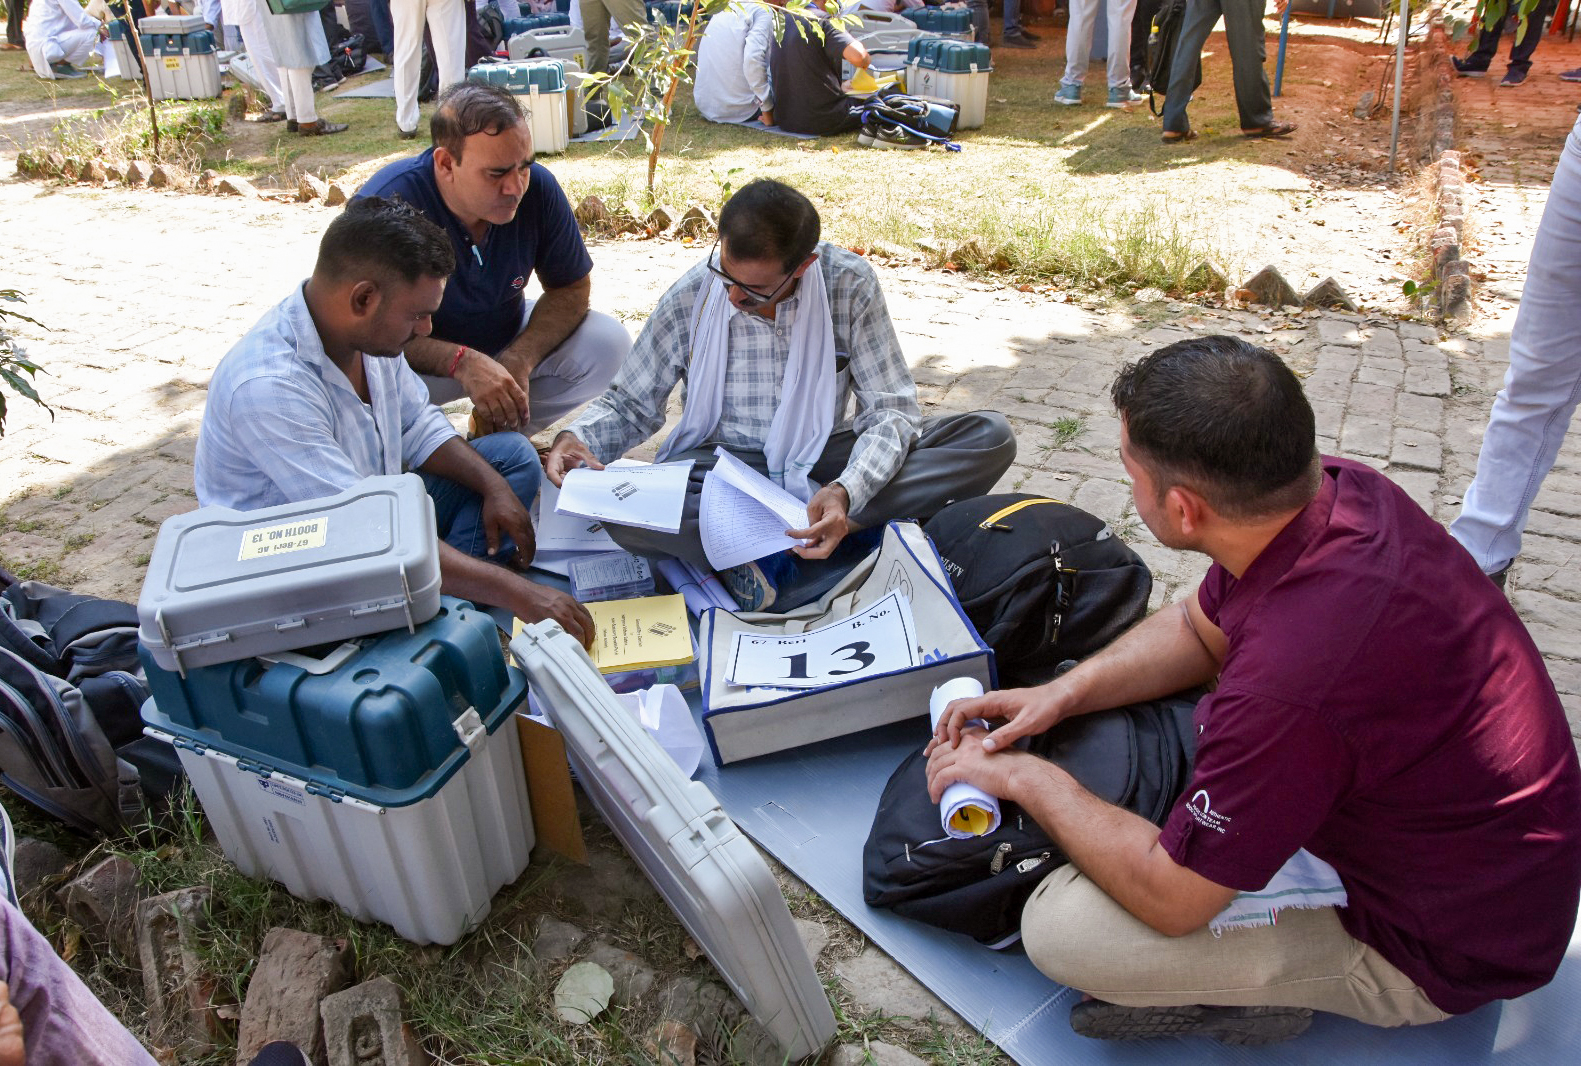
[[732, 82], [247, 16], [297, 40], [59, 31]]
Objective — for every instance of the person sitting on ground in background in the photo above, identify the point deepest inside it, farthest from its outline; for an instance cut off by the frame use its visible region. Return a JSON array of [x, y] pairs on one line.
[[1522, 46], [525, 364], [772, 334], [1376, 703], [805, 68], [732, 81], [60, 37], [317, 397]]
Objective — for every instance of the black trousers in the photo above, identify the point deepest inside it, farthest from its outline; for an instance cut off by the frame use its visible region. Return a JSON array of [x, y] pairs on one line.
[[1521, 51]]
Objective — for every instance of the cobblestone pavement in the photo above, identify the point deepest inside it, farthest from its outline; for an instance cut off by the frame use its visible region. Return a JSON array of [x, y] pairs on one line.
[[144, 292]]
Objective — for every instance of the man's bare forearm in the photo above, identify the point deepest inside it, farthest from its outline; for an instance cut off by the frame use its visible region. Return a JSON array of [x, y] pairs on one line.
[[431, 355], [555, 316], [1160, 655]]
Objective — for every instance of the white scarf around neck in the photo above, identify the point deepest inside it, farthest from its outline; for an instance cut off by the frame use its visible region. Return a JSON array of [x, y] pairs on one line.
[[805, 415]]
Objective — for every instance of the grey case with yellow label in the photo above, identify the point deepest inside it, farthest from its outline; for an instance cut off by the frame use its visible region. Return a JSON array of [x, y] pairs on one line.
[[224, 585]]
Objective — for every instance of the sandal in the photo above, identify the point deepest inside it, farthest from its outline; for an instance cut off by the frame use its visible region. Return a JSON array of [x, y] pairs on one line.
[[1173, 137], [1273, 129]]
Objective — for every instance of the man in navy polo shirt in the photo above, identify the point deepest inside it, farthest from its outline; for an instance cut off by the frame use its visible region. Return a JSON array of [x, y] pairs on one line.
[[1378, 706], [524, 364]]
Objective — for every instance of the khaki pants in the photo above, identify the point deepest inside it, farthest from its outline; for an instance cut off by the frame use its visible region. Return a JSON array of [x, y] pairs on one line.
[[1078, 935]]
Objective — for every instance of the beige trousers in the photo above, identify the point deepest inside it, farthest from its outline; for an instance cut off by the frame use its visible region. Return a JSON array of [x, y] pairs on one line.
[[1078, 935]]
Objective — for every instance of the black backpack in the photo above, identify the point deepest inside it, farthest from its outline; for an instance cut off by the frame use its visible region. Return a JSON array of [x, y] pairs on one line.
[[1137, 757], [1041, 580], [1161, 50], [71, 697]]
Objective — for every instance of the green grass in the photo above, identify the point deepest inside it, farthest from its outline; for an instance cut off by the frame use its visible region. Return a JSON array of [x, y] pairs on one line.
[[1067, 430]]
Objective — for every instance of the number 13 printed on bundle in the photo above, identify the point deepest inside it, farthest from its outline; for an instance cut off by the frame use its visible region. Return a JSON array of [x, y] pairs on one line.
[[879, 640]]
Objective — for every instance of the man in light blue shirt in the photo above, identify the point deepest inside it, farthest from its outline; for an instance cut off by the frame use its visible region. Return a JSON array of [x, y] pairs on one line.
[[317, 397]]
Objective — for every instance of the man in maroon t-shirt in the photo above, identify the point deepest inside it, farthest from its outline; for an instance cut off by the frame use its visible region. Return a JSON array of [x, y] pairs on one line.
[[1378, 704]]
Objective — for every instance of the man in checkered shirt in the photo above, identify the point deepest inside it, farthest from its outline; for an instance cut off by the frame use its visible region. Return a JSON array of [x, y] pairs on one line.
[[879, 462]]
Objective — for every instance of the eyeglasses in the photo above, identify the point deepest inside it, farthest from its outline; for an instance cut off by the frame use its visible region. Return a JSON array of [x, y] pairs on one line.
[[750, 297]]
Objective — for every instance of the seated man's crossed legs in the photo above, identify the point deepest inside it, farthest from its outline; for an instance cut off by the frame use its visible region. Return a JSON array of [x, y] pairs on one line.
[[458, 511], [954, 457]]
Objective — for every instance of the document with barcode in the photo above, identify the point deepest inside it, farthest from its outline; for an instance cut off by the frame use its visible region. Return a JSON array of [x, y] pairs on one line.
[[648, 497]]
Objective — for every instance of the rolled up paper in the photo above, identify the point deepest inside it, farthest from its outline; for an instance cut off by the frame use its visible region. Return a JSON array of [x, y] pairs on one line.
[[965, 810]]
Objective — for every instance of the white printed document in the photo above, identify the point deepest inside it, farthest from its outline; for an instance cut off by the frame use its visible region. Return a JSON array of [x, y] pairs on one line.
[[744, 515], [562, 533], [649, 497], [879, 640]]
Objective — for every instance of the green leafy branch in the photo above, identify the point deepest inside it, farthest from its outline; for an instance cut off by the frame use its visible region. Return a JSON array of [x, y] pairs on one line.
[[14, 362]]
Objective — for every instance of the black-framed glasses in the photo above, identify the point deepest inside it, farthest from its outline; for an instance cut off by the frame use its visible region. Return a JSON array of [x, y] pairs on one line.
[[751, 297]]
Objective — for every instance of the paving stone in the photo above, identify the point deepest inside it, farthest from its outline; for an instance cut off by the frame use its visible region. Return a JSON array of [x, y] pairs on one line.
[[1418, 412], [1417, 449], [364, 1026], [176, 990], [295, 971], [1420, 485], [1109, 500], [1375, 402], [1363, 436], [1427, 381], [1373, 375], [875, 1053], [1381, 342], [1339, 329], [633, 977], [814, 937], [873, 980], [103, 903], [1328, 414]]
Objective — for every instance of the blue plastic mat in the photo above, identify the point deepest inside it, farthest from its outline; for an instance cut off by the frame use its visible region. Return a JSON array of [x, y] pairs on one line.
[[811, 809]]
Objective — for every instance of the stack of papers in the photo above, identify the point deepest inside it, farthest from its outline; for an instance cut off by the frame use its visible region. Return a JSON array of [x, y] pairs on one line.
[[645, 495], [640, 634], [744, 515], [564, 537]]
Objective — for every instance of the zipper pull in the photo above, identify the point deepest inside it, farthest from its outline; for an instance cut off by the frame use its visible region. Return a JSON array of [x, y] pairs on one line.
[[1001, 855], [1028, 865]]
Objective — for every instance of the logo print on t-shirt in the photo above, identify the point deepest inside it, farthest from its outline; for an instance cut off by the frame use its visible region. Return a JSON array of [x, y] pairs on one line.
[[1202, 810], [518, 281]]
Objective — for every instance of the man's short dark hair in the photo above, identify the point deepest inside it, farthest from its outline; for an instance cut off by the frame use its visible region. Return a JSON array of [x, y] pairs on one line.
[[767, 219], [470, 107], [1224, 418], [382, 239]]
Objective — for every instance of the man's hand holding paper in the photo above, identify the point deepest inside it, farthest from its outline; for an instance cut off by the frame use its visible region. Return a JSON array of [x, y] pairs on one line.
[[828, 522]]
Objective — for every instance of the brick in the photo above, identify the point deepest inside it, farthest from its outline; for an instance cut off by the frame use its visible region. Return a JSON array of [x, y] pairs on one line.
[[103, 903], [295, 972], [363, 1026], [175, 988]]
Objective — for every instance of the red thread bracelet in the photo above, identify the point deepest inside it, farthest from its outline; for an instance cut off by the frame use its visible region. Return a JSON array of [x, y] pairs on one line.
[[461, 351]]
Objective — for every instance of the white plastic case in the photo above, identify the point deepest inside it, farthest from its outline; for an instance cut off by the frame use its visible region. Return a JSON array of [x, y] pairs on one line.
[[712, 876], [225, 585]]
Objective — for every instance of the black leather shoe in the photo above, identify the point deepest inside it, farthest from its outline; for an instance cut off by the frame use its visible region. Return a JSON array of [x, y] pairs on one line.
[[1016, 40], [405, 135], [291, 125]]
